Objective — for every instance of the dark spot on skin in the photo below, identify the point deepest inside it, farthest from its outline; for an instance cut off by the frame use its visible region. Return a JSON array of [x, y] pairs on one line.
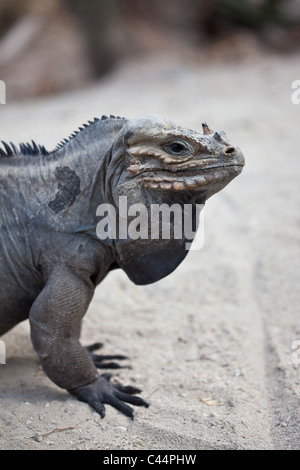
[[68, 189]]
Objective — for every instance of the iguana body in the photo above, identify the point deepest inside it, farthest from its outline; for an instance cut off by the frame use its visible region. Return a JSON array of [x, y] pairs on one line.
[[50, 256]]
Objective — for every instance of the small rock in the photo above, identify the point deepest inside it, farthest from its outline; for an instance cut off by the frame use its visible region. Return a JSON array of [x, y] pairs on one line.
[[38, 437], [238, 373], [120, 429]]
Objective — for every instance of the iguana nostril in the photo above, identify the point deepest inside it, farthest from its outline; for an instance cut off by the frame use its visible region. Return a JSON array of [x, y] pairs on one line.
[[229, 150]]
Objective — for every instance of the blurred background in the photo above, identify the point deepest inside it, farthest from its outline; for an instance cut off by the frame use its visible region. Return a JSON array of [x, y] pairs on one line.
[[234, 306], [58, 45]]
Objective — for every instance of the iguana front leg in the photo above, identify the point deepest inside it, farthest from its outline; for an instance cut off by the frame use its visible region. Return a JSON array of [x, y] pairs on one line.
[[54, 318]]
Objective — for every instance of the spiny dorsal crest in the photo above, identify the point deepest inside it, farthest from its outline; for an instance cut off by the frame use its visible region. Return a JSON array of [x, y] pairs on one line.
[[10, 149], [24, 149]]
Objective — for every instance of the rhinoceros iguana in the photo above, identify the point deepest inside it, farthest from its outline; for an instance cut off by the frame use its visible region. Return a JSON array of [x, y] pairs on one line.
[[51, 258]]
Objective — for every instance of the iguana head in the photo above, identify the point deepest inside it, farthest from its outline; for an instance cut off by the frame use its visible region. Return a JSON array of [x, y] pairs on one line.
[[167, 163], [153, 161]]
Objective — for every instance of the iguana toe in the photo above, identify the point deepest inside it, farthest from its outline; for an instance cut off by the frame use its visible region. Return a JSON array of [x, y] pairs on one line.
[[98, 359]]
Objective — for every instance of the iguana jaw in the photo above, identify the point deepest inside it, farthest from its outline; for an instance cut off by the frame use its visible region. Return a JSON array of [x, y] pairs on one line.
[[188, 179]]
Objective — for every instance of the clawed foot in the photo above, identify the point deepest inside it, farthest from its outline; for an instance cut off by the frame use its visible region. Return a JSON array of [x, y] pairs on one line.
[[99, 358], [102, 391]]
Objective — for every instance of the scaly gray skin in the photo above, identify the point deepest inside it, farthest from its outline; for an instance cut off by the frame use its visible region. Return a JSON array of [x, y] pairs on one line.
[[50, 257]]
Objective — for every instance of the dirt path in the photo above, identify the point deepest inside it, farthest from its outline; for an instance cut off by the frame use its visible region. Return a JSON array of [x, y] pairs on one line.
[[210, 345]]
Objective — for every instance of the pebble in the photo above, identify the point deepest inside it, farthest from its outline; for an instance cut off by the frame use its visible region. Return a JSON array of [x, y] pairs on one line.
[[38, 437], [120, 429]]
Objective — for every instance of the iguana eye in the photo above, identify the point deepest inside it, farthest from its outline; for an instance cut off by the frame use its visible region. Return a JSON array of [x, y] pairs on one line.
[[178, 148]]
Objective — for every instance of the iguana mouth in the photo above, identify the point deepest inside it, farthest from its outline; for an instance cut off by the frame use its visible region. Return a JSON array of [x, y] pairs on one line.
[[188, 179]]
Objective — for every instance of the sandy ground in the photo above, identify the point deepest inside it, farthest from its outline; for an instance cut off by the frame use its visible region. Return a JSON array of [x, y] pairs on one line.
[[210, 345]]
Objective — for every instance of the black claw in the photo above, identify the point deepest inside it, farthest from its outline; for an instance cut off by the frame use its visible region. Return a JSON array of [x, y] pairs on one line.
[[94, 347], [119, 405], [107, 365], [99, 407], [110, 356], [133, 400], [98, 359], [128, 389]]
